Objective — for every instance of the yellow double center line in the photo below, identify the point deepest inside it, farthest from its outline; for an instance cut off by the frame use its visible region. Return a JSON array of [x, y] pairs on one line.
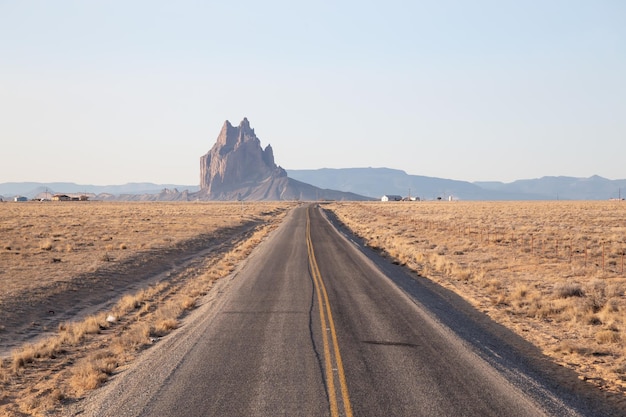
[[328, 325]]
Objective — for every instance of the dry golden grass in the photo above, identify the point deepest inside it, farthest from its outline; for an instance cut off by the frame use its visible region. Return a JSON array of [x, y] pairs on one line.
[[36, 378], [92, 371], [551, 271], [83, 236]]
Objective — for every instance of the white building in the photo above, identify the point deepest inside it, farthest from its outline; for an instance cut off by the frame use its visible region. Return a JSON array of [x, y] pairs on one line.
[[391, 197]]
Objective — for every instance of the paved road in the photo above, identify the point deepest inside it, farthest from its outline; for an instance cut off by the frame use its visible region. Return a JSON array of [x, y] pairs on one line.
[[310, 326]]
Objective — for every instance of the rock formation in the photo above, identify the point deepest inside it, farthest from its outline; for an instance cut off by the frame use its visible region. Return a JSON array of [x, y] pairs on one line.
[[238, 168], [237, 159]]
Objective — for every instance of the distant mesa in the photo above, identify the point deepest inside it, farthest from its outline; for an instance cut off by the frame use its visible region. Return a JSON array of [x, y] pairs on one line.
[[238, 168]]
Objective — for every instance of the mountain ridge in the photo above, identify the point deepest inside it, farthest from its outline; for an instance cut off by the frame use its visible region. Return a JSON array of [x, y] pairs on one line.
[[376, 182], [33, 189], [544, 188]]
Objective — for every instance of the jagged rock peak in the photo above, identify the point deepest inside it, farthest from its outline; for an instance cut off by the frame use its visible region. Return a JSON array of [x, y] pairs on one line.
[[245, 124], [238, 168], [268, 156], [231, 136], [237, 158]]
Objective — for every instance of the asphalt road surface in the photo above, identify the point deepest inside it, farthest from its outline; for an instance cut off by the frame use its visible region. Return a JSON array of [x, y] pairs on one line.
[[315, 325]]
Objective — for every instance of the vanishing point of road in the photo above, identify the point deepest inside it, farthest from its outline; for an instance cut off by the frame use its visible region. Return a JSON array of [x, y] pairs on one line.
[[313, 324]]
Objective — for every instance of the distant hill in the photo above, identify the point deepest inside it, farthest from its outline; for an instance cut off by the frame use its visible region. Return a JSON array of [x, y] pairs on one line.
[[376, 182], [369, 182], [565, 188], [33, 189]]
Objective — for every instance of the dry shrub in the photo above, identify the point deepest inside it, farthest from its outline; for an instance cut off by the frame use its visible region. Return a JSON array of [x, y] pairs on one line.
[[27, 354], [133, 339], [620, 369], [568, 289], [500, 299], [526, 299], [440, 263], [548, 309], [75, 332], [492, 285], [167, 315], [520, 291], [188, 302], [93, 371], [610, 313], [163, 326], [46, 245], [596, 295], [166, 318], [92, 325], [128, 303], [570, 347], [615, 290], [23, 356], [607, 336], [589, 318]]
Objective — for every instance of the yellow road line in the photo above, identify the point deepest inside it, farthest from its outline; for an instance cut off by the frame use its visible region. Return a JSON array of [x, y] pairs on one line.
[[342, 376], [330, 379]]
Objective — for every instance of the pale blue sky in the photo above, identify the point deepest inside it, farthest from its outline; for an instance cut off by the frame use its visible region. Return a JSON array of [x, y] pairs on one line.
[[109, 92]]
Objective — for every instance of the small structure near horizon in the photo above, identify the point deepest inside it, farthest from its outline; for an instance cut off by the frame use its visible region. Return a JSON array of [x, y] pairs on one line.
[[391, 197], [61, 197], [65, 197], [20, 198]]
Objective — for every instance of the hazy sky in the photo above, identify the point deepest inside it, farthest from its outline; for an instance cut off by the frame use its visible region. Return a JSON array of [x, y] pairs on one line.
[[109, 92]]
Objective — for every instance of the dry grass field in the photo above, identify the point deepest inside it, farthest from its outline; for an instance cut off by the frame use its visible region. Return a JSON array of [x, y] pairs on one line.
[[551, 271], [87, 285]]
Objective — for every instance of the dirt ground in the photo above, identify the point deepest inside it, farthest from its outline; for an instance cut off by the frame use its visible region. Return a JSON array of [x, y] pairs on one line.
[[60, 261]]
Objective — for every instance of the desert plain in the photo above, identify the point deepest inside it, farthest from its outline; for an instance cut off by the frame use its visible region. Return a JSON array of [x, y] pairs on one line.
[[86, 286], [551, 271]]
